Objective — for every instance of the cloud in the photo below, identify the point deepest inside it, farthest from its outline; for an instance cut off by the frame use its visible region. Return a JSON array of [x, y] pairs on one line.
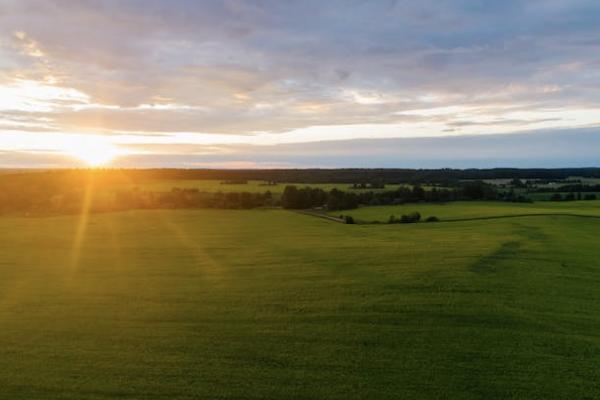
[[298, 71], [541, 149]]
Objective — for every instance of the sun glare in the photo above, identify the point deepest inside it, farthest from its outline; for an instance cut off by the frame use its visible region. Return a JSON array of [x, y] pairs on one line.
[[96, 155]]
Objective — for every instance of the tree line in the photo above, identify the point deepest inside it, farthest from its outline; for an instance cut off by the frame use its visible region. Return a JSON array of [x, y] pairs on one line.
[[573, 188], [359, 176], [573, 196], [62, 198], [307, 197]]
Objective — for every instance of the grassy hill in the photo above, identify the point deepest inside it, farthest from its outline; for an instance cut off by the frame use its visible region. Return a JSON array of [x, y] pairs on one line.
[[472, 209], [274, 304]]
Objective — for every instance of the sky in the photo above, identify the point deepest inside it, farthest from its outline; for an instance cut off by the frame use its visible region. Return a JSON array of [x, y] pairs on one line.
[[295, 84]]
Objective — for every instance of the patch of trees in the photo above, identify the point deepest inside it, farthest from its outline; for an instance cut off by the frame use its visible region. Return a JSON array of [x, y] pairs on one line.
[[339, 200], [191, 198], [573, 196], [574, 188], [371, 185], [410, 218], [478, 190], [403, 195], [74, 200], [513, 197], [302, 198], [517, 183], [538, 182], [307, 197]]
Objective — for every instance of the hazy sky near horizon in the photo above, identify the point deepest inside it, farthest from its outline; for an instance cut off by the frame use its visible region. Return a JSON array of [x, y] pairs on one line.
[[185, 83]]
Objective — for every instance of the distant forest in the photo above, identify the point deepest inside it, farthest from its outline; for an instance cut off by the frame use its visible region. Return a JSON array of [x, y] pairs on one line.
[[351, 175], [358, 175]]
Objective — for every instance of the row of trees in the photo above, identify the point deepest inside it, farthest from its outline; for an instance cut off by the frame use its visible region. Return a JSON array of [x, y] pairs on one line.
[[573, 196], [192, 198], [371, 185], [359, 176], [307, 197], [72, 201], [302, 198], [513, 197], [576, 188], [61, 199], [405, 218]]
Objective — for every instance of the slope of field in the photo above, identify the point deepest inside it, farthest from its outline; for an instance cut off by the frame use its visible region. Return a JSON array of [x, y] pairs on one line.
[[274, 304], [471, 209]]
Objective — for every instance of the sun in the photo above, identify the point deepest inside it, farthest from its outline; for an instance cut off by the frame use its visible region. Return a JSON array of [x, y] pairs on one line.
[[95, 155]]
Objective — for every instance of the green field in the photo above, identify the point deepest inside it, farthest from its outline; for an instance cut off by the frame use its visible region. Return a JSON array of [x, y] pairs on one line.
[[278, 305], [251, 186], [203, 185], [474, 209]]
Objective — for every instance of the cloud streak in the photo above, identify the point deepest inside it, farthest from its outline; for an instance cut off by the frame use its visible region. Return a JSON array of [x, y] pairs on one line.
[[270, 72]]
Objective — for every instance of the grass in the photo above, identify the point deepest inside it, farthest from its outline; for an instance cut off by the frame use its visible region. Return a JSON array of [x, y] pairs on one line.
[[274, 304], [467, 210], [251, 186]]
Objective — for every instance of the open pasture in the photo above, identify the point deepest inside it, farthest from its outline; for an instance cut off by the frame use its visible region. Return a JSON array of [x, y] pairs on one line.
[[474, 209], [274, 304]]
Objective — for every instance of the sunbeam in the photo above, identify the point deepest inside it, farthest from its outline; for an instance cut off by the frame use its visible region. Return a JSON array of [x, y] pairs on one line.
[[82, 221], [200, 255]]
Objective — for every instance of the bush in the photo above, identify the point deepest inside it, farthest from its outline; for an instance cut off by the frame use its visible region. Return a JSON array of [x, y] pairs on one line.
[[295, 198], [339, 200], [432, 218], [410, 218], [556, 197], [348, 219], [414, 216], [478, 190]]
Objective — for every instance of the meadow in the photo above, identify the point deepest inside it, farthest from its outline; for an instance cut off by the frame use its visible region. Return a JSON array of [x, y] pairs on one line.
[[266, 304], [205, 185], [460, 210]]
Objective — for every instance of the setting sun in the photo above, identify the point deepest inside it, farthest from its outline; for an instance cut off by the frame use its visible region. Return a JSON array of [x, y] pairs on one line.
[[94, 155]]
